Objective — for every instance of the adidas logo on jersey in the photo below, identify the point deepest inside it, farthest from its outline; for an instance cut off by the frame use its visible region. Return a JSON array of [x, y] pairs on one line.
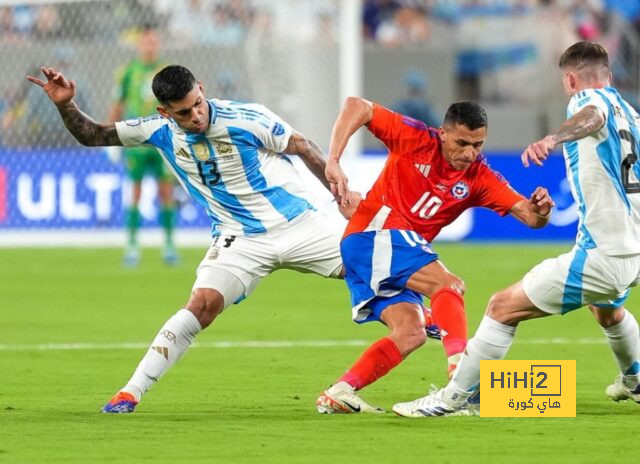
[[423, 168]]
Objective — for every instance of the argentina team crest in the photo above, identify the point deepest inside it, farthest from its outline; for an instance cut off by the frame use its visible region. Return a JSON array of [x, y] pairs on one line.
[[460, 191], [201, 151]]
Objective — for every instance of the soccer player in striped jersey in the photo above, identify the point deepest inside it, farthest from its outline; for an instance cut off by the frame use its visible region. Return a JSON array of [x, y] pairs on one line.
[[230, 157], [601, 142], [431, 176]]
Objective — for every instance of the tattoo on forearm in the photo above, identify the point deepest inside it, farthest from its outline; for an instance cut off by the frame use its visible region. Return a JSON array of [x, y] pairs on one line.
[[86, 130], [316, 161], [580, 125], [312, 156]]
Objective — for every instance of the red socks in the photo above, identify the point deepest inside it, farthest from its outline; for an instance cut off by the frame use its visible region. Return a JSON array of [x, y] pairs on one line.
[[447, 310], [374, 363]]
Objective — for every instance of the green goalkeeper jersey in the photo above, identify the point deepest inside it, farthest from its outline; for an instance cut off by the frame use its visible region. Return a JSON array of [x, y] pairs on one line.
[[133, 88]]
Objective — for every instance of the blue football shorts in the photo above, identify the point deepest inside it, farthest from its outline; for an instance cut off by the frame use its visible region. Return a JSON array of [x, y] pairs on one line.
[[378, 265]]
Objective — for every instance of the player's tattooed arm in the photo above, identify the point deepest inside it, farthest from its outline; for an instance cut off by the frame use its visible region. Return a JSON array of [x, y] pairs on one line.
[[585, 122], [61, 91], [87, 131], [311, 155], [315, 160]]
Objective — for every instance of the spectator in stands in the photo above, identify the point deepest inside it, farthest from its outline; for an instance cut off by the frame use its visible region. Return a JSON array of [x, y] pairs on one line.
[[374, 13], [47, 23], [407, 25], [415, 104], [7, 28]]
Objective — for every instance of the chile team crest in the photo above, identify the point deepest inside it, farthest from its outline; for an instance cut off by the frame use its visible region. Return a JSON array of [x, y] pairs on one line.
[[460, 191]]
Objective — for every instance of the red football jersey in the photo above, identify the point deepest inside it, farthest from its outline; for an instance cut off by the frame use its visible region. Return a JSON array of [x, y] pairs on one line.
[[417, 189]]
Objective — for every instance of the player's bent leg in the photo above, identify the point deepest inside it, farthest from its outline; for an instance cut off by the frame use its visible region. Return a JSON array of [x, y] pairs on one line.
[[178, 333], [167, 348], [407, 325], [205, 304], [622, 332], [446, 291], [512, 305], [406, 322], [491, 341], [607, 317]]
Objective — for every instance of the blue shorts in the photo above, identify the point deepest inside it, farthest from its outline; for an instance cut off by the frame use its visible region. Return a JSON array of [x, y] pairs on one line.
[[378, 265]]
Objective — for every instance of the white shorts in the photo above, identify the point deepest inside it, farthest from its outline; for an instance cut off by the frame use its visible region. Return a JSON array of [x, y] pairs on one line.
[[309, 243], [581, 277]]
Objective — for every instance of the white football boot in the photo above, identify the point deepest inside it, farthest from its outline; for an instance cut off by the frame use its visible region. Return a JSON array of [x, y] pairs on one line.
[[436, 403], [625, 387], [341, 398]]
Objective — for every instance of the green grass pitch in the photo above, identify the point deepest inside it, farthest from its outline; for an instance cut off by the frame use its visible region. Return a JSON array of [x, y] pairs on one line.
[[244, 404]]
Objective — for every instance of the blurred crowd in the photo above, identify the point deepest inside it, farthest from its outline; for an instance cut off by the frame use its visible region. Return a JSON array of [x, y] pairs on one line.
[[387, 22], [495, 45], [398, 22]]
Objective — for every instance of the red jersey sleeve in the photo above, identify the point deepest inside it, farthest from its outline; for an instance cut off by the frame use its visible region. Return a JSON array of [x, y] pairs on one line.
[[495, 192], [398, 132]]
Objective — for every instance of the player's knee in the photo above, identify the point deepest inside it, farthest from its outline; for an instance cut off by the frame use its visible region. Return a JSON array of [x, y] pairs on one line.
[[205, 304], [458, 285], [415, 339], [607, 317], [496, 309], [453, 282], [409, 339]]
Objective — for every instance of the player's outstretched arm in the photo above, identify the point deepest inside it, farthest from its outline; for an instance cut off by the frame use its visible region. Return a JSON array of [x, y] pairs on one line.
[[585, 122], [536, 211], [315, 160], [311, 155], [355, 113], [61, 92]]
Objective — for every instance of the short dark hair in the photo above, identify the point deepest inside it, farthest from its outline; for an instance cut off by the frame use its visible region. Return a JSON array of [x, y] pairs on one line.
[[466, 113], [584, 53], [172, 83]]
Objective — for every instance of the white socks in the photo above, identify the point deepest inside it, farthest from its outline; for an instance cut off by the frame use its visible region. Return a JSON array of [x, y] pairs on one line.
[[491, 341], [169, 345], [624, 340]]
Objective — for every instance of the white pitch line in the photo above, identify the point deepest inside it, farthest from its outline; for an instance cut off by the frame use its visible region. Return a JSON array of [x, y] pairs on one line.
[[266, 344]]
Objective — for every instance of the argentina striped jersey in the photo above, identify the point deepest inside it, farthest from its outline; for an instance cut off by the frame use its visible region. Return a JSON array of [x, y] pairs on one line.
[[605, 188], [235, 170]]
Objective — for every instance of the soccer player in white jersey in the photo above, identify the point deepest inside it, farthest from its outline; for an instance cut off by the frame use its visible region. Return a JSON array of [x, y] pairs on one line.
[[601, 140], [229, 158]]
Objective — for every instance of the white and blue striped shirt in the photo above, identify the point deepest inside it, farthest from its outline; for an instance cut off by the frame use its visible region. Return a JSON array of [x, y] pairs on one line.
[[235, 170], [609, 210]]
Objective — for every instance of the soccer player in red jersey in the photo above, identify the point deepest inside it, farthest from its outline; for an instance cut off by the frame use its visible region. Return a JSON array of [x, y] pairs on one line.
[[431, 176]]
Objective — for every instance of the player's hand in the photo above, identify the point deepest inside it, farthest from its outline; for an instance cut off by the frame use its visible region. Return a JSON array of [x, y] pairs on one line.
[[59, 90], [353, 200], [338, 182], [538, 151], [541, 202]]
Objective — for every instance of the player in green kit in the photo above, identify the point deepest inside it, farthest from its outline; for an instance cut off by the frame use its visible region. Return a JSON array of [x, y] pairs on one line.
[[134, 98]]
